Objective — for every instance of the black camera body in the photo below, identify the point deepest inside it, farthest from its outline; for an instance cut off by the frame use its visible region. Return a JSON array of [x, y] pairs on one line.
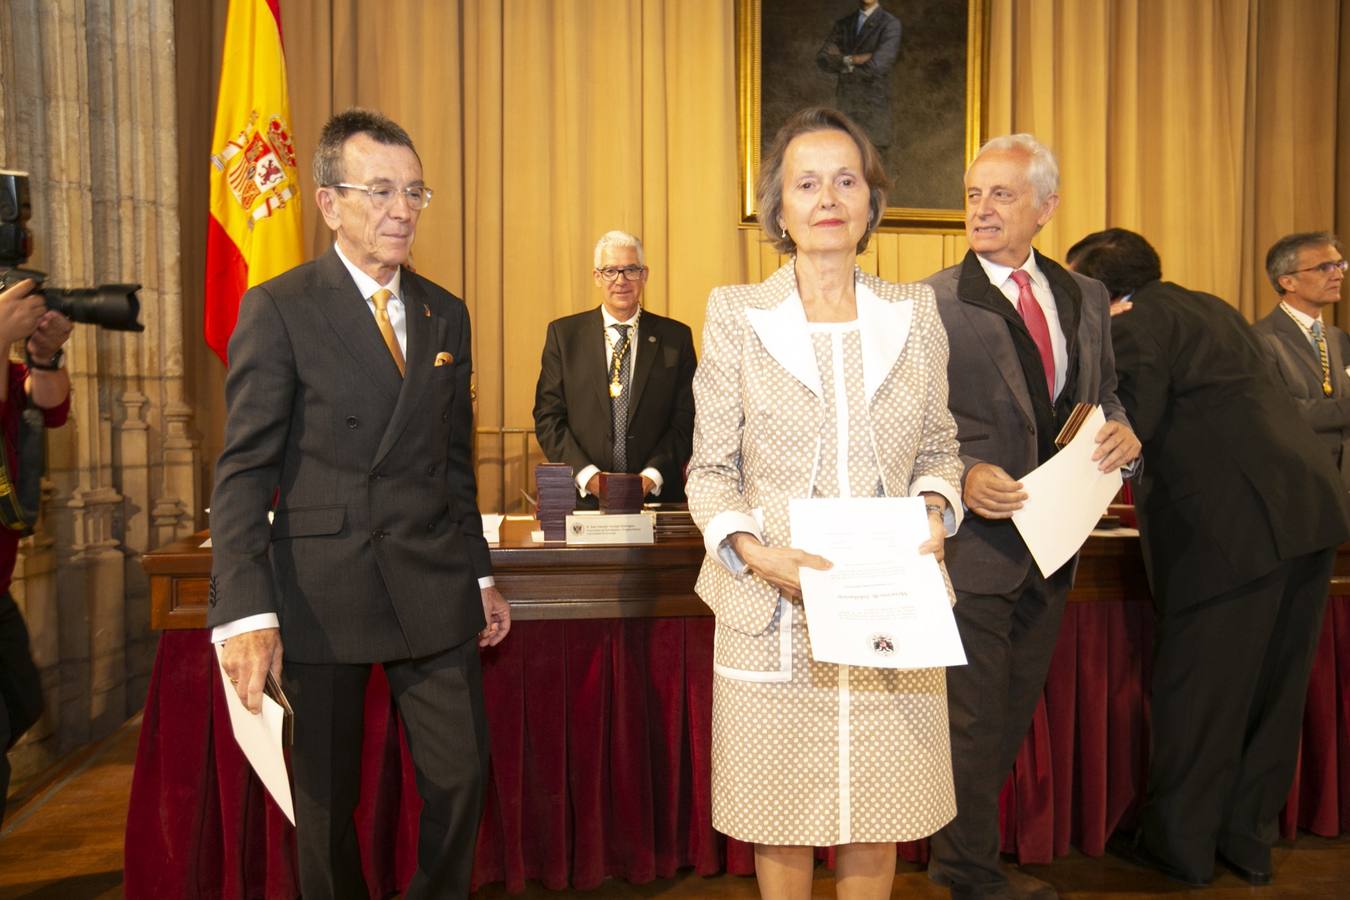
[[112, 306]]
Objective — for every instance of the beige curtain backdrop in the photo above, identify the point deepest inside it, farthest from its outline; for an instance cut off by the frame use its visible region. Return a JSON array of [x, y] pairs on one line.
[[1211, 126]]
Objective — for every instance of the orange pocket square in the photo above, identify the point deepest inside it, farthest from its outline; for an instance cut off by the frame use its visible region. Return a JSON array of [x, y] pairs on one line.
[[443, 359]]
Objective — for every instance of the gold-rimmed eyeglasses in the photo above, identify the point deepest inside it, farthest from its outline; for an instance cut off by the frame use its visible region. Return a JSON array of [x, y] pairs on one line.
[[1325, 268], [629, 273], [382, 195]]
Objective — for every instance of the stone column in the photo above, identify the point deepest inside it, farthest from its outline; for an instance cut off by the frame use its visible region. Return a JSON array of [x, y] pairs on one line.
[[87, 107]]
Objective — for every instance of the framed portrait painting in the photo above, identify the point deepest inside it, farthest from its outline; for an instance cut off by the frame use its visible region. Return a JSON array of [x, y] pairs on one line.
[[910, 72]]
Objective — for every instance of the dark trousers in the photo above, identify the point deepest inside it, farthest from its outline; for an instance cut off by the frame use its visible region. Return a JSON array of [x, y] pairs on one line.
[[440, 701], [1009, 640], [20, 687], [1230, 678]]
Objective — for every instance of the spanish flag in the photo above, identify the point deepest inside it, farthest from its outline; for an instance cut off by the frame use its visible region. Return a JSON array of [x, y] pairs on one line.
[[254, 229]]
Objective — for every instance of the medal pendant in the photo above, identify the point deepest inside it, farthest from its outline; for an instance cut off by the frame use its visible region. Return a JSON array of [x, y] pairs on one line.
[[1326, 389], [615, 389]]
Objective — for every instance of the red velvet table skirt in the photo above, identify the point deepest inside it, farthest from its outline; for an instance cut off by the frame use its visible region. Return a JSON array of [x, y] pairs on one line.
[[600, 737]]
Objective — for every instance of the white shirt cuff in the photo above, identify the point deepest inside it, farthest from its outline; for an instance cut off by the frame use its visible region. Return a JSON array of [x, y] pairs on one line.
[[222, 633], [656, 480], [722, 526], [584, 476], [486, 581]]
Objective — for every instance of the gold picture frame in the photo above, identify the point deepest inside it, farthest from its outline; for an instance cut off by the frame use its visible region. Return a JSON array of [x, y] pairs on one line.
[[926, 192]]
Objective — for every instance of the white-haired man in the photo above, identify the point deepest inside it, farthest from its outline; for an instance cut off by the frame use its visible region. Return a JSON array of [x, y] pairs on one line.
[[1028, 340], [615, 391]]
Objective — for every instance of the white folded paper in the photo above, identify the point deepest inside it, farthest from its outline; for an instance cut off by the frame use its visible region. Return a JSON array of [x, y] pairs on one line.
[[492, 527], [883, 604], [260, 738], [1065, 499]]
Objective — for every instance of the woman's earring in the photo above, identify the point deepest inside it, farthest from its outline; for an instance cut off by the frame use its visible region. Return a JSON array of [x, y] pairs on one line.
[[784, 227]]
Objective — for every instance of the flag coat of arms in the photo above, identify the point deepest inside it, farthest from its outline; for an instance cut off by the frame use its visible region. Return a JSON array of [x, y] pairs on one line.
[[254, 229]]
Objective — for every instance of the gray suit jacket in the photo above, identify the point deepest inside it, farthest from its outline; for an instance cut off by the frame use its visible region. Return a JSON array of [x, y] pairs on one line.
[[1300, 371], [988, 396], [377, 544]]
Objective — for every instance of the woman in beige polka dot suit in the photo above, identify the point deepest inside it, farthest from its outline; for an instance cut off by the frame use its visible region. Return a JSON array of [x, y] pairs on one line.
[[821, 381]]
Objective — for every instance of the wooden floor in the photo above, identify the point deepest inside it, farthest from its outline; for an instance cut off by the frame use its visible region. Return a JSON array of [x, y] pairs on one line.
[[62, 840]]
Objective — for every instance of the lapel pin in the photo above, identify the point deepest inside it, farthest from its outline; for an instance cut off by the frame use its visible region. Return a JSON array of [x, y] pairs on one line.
[[651, 339], [426, 311]]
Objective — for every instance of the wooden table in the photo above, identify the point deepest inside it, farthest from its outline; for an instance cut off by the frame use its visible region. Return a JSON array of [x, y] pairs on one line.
[[554, 581]]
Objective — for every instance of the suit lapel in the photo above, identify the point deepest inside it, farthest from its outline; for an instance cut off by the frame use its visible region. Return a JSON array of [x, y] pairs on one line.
[[1068, 309], [650, 336], [860, 35], [595, 358], [1300, 347], [421, 326], [1336, 359], [781, 328], [350, 316], [884, 328], [974, 289]]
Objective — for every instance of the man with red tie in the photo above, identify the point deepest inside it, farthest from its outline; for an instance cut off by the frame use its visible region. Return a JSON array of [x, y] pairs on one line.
[[1028, 340]]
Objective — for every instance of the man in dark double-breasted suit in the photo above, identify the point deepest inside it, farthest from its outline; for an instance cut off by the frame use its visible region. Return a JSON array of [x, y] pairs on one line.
[[348, 402], [1309, 353], [615, 390], [1240, 513], [1028, 341]]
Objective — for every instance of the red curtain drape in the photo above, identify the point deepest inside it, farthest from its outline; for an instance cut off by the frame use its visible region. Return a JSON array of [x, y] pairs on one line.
[[600, 735]]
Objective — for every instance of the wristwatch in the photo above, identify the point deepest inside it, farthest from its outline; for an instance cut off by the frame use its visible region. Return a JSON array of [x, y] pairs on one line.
[[50, 365]]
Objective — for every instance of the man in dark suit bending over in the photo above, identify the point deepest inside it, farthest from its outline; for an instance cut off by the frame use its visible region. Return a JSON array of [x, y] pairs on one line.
[[615, 391], [1309, 353], [1240, 513], [1028, 341], [348, 399]]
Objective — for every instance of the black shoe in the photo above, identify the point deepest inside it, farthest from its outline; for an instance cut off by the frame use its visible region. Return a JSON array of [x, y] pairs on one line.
[[1026, 886], [1255, 877], [1018, 886], [1131, 848]]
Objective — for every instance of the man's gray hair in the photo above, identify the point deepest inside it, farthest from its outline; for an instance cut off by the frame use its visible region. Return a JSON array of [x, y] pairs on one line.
[[1282, 258], [618, 239], [1043, 169]]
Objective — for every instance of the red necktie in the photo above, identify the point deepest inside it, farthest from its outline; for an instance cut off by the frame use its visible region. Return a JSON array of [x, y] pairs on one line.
[[1034, 316]]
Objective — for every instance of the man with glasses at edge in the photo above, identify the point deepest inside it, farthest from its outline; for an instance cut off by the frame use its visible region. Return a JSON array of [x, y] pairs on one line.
[[1309, 354], [615, 391], [348, 400]]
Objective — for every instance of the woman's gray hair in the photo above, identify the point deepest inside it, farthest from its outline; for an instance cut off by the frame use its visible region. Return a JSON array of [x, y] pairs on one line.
[[769, 189], [1042, 172]]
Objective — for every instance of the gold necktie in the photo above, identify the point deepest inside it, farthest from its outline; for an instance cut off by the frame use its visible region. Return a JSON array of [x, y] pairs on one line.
[[381, 300], [1319, 338]]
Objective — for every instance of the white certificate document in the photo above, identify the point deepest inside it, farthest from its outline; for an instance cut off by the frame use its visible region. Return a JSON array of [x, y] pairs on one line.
[[260, 738], [1065, 499], [882, 604]]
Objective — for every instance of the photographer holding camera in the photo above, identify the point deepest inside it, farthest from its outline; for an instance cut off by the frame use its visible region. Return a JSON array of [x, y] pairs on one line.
[[41, 383]]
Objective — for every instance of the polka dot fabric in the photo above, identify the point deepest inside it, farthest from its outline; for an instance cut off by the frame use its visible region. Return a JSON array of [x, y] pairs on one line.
[[806, 752]]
